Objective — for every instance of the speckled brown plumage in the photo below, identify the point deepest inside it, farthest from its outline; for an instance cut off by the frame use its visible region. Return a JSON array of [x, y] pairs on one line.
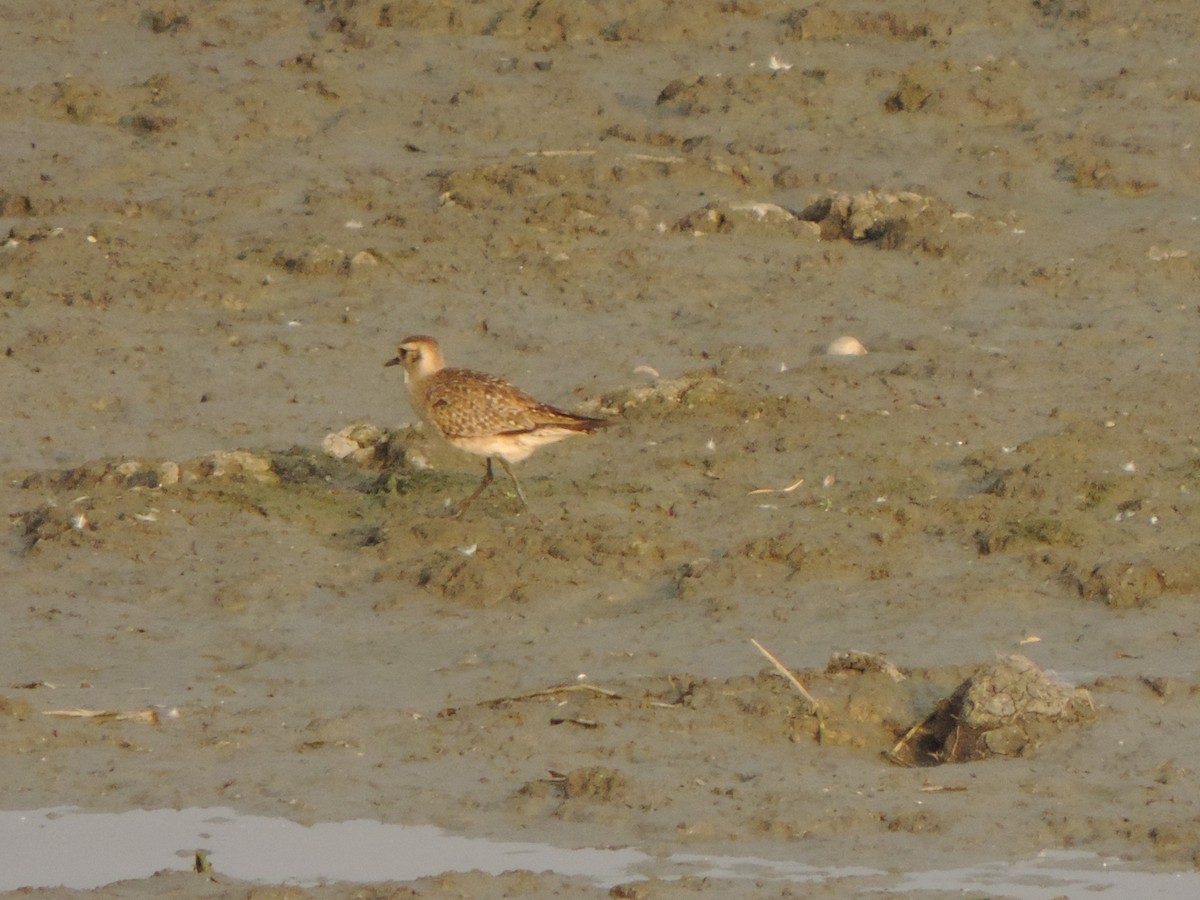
[[480, 413], [461, 403]]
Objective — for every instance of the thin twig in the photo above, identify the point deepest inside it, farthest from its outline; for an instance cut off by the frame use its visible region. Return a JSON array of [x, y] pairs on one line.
[[783, 490], [551, 691], [786, 673], [145, 716], [814, 708], [646, 157], [549, 153], [894, 753]]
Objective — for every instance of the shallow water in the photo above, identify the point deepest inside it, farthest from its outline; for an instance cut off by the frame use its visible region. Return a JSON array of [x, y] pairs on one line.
[[1054, 874], [63, 847]]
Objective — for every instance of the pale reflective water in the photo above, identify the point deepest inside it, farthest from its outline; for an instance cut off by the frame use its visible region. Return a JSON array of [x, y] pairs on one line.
[[68, 848]]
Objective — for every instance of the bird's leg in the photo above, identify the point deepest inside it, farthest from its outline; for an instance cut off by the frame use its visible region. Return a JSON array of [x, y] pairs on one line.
[[520, 493], [516, 484], [487, 479]]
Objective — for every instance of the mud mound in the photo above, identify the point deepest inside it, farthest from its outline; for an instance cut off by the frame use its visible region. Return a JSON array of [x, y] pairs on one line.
[[1007, 709]]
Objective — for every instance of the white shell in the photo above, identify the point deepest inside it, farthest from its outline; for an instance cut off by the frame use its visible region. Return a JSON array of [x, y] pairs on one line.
[[847, 346]]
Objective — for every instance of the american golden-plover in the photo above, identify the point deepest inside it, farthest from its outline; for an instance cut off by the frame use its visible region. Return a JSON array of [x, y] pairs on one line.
[[482, 414]]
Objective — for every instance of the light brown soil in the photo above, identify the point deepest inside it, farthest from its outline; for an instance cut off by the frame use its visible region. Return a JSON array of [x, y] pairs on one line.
[[222, 217]]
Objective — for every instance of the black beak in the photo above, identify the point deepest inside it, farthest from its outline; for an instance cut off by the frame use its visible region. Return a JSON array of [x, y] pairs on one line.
[[394, 361]]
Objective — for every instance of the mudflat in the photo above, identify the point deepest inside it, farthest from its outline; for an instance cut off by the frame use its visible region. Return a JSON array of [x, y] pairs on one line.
[[220, 219]]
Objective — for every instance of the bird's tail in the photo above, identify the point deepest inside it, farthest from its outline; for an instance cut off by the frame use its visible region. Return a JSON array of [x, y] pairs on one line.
[[572, 421]]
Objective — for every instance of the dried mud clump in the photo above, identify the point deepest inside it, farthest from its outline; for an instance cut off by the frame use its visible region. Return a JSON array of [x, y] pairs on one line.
[[818, 23], [15, 205], [705, 94], [589, 794], [483, 578], [901, 221], [1000, 91], [597, 784], [236, 465], [46, 523], [322, 259], [718, 218], [1035, 531], [892, 221], [362, 443], [1125, 585], [1087, 172], [1004, 710], [691, 390], [121, 499]]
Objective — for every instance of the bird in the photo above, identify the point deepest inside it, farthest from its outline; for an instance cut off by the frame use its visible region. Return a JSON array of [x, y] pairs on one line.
[[482, 414]]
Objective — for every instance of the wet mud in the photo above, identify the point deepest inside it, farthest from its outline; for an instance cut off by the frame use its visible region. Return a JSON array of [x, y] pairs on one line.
[[231, 574]]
